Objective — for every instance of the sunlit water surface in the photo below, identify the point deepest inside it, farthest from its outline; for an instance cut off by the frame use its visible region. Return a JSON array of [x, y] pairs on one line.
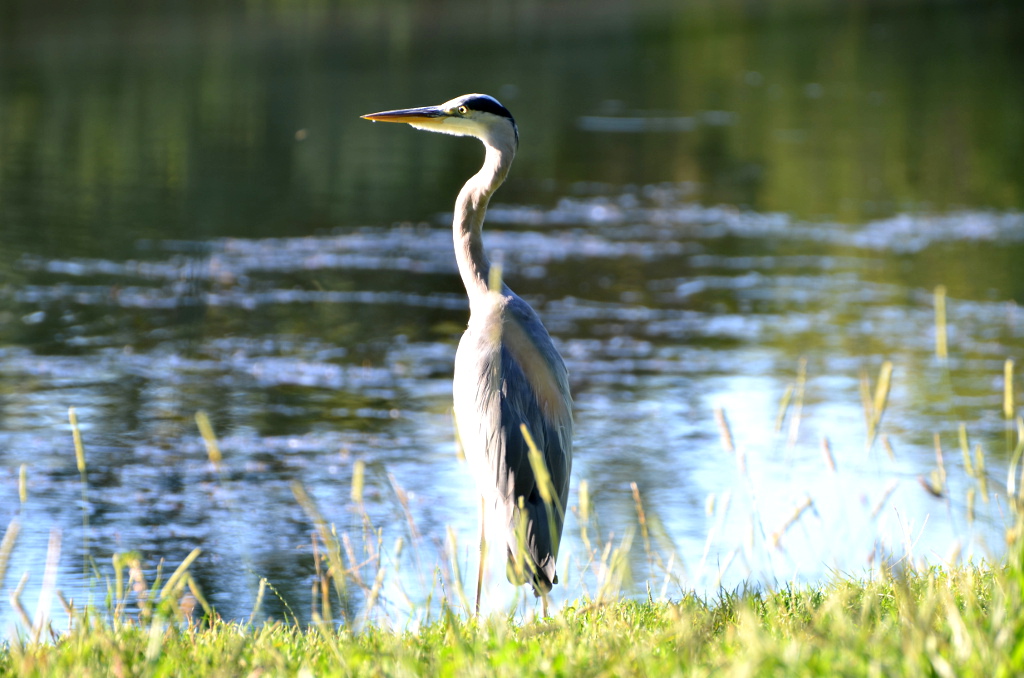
[[698, 329]]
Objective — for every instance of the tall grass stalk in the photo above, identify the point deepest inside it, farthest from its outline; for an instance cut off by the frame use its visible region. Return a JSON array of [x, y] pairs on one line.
[[1015, 484], [1009, 404], [76, 436], [941, 338], [337, 573], [209, 438], [7, 546], [878, 402]]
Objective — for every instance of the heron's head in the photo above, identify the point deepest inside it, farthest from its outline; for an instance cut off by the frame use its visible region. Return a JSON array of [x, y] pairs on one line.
[[471, 115]]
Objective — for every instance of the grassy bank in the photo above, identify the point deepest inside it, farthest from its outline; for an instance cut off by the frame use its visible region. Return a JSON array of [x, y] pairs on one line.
[[958, 622]]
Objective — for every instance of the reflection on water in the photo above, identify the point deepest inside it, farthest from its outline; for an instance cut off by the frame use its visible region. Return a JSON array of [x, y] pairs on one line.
[[209, 231]]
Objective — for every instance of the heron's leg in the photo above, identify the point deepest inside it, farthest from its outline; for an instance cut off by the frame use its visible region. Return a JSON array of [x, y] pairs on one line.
[[544, 605], [483, 556]]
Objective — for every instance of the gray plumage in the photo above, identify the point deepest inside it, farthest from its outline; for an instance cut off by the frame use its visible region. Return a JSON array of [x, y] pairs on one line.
[[507, 370]]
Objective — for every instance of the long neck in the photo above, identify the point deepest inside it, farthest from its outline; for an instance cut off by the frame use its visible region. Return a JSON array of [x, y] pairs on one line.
[[470, 208]]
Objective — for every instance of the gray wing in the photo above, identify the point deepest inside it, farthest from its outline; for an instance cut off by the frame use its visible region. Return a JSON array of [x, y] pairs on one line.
[[544, 523], [526, 398]]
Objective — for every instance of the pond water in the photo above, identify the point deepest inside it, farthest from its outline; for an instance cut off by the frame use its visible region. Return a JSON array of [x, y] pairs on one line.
[[714, 210]]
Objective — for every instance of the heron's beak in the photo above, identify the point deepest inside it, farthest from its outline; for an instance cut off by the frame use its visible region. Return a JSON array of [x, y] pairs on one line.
[[410, 115]]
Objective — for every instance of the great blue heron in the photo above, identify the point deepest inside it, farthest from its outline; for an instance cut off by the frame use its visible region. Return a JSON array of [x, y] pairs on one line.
[[507, 371]]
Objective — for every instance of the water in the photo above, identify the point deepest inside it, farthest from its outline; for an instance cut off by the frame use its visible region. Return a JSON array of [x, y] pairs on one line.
[[194, 218]]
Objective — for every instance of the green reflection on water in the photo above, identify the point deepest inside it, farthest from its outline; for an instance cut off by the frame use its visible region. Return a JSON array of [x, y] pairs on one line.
[[198, 123]]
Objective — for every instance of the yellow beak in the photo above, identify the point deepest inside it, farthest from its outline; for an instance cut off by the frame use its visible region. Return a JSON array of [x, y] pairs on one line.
[[411, 115]]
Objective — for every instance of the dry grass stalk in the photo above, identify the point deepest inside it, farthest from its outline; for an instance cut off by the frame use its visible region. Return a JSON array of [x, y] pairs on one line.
[[209, 438], [826, 452], [941, 339]]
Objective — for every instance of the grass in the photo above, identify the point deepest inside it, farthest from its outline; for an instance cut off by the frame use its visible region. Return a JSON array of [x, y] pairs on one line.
[[959, 622]]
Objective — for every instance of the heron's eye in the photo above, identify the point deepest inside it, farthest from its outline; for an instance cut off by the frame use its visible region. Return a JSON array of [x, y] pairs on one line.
[[463, 110]]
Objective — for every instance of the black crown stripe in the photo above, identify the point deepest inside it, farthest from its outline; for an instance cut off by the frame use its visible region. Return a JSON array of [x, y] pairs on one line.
[[486, 104]]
